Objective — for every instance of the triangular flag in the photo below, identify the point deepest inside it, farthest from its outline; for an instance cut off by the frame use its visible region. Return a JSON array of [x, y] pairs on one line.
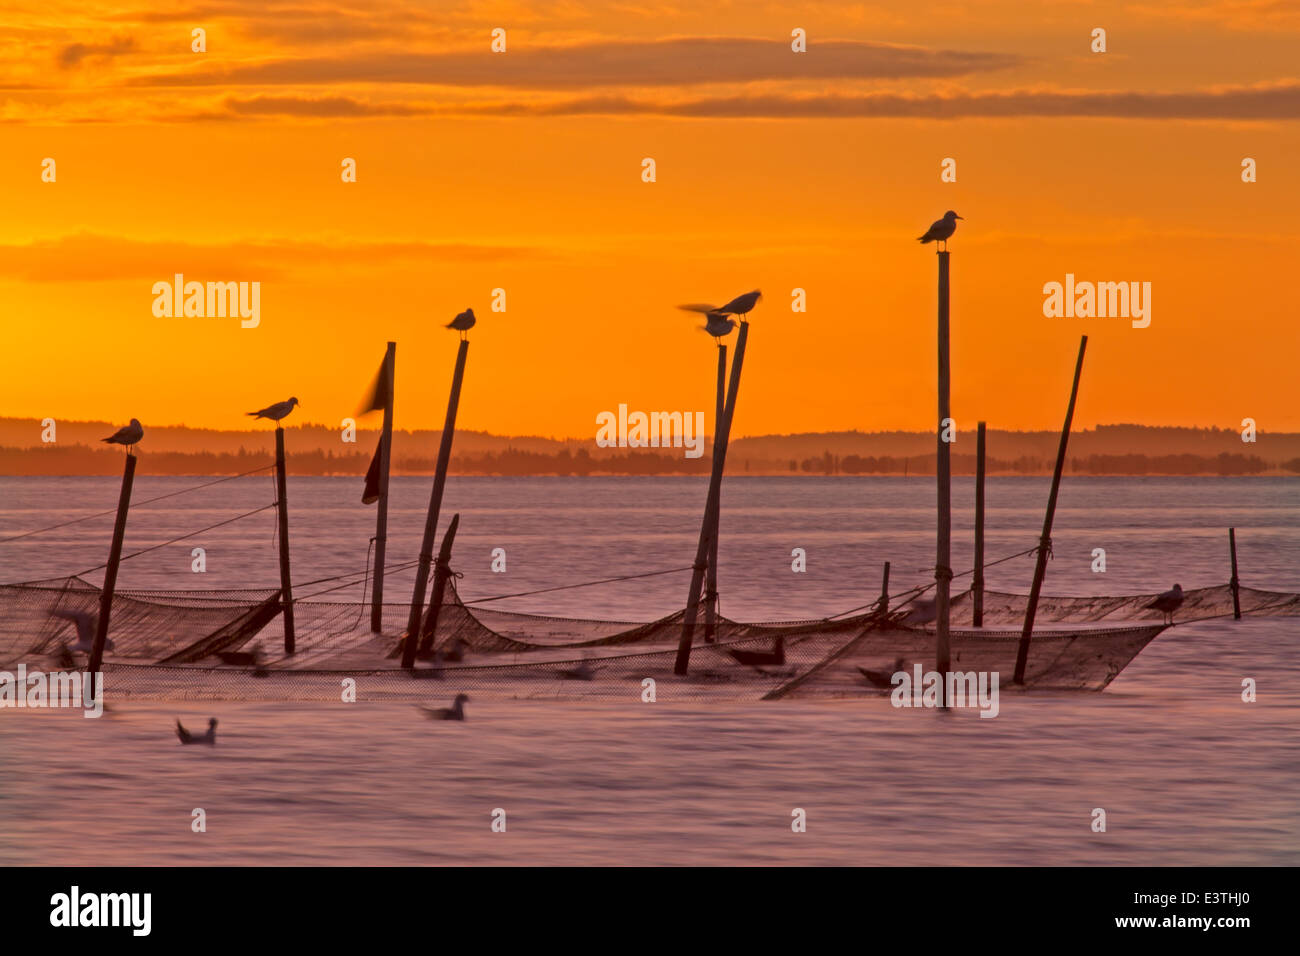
[[371, 493], [378, 393]]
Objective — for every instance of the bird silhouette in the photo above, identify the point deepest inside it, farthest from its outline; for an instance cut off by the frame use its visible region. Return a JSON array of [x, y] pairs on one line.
[[762, 658], [462, 323], [188, 738], [128, 435], [455, 712], [277, 411], [1167, 602], [882, 678], [740, 305], [718, 326], [941, 229], [85, 622], [581, 671], [922, 611]]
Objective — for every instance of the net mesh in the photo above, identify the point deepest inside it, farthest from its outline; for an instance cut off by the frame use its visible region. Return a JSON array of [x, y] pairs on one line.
[[166, 644]]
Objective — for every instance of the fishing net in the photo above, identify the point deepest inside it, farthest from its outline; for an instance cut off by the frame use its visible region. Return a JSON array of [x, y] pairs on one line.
[[167, 644]]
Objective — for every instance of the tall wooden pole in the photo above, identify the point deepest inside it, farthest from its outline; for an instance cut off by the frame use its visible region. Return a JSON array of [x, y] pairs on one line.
[[1045, 540], [1235, 584], [711, 507], [977, 582], [943, 483], [286, 589], [441, 571], [381, 515], [435, 504], [110, 577], [711, 578], [883, 607]]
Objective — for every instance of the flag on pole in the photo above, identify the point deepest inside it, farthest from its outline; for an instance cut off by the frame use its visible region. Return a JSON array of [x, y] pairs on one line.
[[377, 400], [371, 493], [377, 395]]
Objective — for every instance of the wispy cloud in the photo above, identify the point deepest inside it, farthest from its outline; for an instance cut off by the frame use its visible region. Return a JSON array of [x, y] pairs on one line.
[[90, 257], [72, 55], [669, 62]]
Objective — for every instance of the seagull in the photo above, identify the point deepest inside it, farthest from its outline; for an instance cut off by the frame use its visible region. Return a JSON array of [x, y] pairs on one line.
[[922, 612], [462, 323], [718, 326], [758, 658], [277, 411], [128, 435], [455, 712], [941, 229], [740, 305], [1168, 602], [188, 738], [882, 678], [453, 652], [584, 671], [85, 622]]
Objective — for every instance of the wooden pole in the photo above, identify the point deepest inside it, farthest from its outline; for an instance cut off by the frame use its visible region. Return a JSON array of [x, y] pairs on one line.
[[977, 582], [1045, 541], [435, 504], [1236, 584], [381, 515], [286, 589], [441, 571], [711, 579], [883, 608], [110, 577], [711, 507], [943, 484]]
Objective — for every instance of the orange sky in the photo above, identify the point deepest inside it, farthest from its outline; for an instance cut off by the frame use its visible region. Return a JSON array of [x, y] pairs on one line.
[[775, 170]]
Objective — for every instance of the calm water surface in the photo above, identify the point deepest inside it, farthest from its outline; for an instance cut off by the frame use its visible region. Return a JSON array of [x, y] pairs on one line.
[[1187, 772]]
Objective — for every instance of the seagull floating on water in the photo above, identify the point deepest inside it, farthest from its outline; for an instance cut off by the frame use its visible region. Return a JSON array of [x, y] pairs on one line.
[[941, 229], [277, 411], [188, 738], [85, 622], [462, 323], [1168, 602], [455, 712], [882, 678], [128, 435]]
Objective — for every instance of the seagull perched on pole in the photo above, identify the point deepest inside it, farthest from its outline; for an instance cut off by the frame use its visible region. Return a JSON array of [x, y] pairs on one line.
[[277, 411], [941, 229], [1168, 602], [462, 323], [740, 305], [128, 435], [718, 326]]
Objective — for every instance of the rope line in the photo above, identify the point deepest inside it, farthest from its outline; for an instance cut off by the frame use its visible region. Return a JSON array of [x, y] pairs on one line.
[[191, 534], [134, 504], [566, 587]]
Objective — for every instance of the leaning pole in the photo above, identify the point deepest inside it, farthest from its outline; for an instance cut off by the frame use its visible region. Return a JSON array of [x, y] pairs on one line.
[[711, 507], [110, 577], [431, 519], [711, 576]]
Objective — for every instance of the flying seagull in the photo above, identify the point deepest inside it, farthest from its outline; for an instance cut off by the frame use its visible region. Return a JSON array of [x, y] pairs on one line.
[[455, 712], [188, 738], [1168, 602], [941, 229], [277, 411], [462, 323], [740, 305], [128, 435], [718, 326], [85, 622]]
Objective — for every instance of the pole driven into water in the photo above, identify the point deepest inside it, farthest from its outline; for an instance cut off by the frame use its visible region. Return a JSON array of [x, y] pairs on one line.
[[110, 577], [441, 572], [381, 515], [435, 504], [1233, 582], [1045, 541], [883, 607], [282, 512], [943, 484], [977, 582], [711, 507], [711, 578]]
